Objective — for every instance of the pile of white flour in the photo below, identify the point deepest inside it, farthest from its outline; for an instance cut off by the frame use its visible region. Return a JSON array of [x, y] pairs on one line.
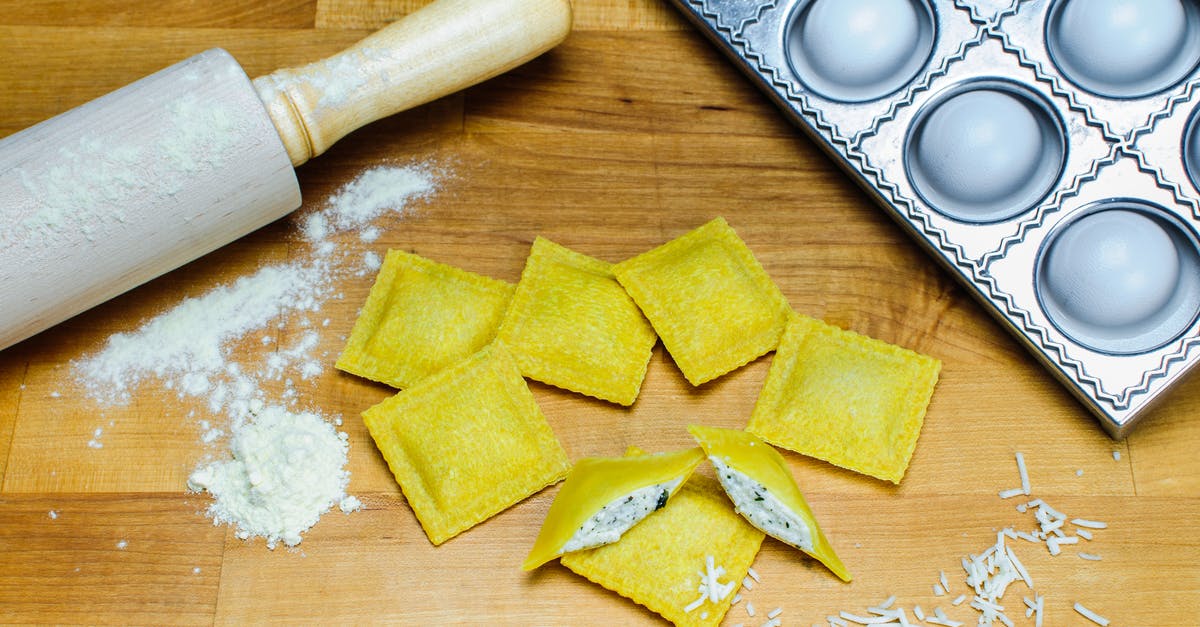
[[285, 465], [287, 469]]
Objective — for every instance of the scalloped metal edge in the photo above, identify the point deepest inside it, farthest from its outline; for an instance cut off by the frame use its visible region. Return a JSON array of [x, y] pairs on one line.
[[778, 79], [1123, 398], [1056, 81], [972, 9]]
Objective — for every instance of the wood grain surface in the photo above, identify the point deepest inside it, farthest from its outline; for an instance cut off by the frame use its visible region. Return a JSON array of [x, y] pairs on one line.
[[632, 132]]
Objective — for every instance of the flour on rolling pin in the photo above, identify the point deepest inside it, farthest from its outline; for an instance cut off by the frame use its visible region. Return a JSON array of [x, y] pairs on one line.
[[335, 78], [93, 185], [105, 197]]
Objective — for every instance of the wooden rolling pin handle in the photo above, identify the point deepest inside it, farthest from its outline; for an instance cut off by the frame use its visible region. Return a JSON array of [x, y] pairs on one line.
[[442, 48]]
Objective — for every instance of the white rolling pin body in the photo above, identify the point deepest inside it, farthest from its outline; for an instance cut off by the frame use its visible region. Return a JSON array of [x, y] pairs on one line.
[[111, 194]]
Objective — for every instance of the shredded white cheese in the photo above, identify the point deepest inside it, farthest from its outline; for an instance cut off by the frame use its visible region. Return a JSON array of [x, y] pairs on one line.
[[1011, 492], [711, 588], [939, 618], [1023, 473], [1090, 615], [1033, 607]]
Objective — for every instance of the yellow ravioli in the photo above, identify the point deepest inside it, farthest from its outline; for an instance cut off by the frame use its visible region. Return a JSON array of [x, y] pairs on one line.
[[709, 300], [571, 325], [422, 316], [848, 399], [467, 443], [658, 563], [761, 486], [597, 483]]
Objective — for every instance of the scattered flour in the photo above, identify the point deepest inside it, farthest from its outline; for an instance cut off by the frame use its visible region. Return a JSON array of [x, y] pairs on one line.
[[287, 470], [335, 79], [86, 186], [79, 189], [376, 191], [286, 466], [188, 345], [350, 504], [372, 261]]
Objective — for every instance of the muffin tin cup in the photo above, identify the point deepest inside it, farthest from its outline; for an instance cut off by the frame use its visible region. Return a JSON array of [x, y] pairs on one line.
[[1115, 368], [984, 65], [764, 41], [858, 51], [1123, 49], [985, 151], [1119, 108], [1024, 167]]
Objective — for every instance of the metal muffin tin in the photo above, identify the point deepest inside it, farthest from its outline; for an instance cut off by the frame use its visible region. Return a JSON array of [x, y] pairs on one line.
[[1046, 152]]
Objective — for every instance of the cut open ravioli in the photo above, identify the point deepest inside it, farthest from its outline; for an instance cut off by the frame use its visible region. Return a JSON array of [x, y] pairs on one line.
[[603, 497], [662, 563], [467, 443], [709, 300], [422, 316], [848, 399], [757, 479], [571, 325]]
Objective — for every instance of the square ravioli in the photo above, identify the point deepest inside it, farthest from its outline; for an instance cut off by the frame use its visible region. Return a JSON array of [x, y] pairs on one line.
[[467, 443], [571, 325], [709, 300], [848, 399], [658, 563], [422, 316]]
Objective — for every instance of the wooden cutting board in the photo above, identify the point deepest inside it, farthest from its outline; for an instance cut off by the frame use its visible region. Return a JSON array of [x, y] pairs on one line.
[[633, 131]]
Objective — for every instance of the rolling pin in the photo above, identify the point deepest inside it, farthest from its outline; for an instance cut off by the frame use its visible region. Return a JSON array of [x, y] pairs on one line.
[[109, 195]]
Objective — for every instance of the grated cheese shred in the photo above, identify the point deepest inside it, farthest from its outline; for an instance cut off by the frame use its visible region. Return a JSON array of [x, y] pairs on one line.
[[711, 588], [1090, 615], [991, 573]]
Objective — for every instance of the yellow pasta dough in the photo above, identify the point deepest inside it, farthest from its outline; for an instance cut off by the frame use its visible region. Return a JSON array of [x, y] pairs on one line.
[[422, 316], [709, 300], [850, 400], [761, 486], [571, 325], [658, 563], [603, 497], [467, 443]]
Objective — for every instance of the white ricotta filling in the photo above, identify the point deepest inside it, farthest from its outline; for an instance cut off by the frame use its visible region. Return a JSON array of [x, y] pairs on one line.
[[619, 515], [763, 509]]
